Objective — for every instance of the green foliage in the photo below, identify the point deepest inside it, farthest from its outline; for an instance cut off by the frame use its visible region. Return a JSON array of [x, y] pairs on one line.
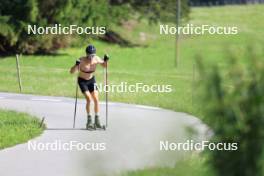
[[23, 10], [54, 11], [16, 15], [7, 32], [96, 12], [235, 114], [157, 10]]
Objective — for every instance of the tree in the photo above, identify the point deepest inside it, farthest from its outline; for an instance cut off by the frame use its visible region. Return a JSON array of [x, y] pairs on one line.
[[16, 15]]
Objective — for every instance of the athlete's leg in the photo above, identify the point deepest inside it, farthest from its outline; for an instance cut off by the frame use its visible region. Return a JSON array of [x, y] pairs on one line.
[[95, 98], [88, 98], [88, 102]]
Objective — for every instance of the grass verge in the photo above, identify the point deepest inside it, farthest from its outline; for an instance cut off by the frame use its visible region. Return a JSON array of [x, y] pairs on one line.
[[16, 128], [193, 166]]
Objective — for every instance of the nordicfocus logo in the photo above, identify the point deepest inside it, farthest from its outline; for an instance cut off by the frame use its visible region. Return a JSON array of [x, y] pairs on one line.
[[190, 145], [58, 145], [71, 29], [124, 87], [190, 29]]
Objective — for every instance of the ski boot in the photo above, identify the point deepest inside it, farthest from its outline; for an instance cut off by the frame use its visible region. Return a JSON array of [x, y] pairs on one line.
[[89, 122], [97, 124]]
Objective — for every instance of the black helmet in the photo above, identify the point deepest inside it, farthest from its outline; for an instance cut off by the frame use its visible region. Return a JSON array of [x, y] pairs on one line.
[[90, 49]]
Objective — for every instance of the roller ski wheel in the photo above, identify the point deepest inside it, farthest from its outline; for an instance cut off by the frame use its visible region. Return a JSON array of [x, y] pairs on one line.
[[89, 127], [104, 128]]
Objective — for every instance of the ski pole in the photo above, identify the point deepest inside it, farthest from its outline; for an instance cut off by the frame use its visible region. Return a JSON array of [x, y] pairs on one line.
[[76, 100]]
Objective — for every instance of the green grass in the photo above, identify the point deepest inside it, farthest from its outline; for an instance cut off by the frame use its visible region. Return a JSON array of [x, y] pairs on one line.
[[48, 75], [16, 128], [192, 166]]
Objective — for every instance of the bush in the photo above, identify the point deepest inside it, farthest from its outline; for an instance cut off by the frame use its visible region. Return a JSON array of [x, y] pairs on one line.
[[236, 114]]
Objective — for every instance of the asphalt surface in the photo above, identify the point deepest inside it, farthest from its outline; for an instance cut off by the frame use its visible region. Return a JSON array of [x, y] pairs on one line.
[[132, 140]]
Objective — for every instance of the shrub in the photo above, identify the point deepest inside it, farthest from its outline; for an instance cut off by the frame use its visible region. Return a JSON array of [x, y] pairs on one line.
[[236, 114]]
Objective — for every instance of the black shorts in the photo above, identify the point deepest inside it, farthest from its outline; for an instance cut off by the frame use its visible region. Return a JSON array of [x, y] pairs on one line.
[[87, 85]]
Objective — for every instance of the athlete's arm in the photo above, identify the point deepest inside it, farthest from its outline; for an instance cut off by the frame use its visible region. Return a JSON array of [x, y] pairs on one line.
[[103, 62], [75, 67]]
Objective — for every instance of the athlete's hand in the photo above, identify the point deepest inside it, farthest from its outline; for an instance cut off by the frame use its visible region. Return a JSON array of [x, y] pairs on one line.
[[106, 57]]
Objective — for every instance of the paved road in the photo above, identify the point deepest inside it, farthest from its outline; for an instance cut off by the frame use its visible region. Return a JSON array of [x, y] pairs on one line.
[[132, 140]]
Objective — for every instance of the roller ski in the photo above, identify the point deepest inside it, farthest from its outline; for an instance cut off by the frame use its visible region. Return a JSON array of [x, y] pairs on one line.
[[97, 125]]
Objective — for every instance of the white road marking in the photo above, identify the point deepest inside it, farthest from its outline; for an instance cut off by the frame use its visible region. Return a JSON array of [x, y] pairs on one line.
[[146, 107], [109, 103], [131, 105], [45, 99], [102, 103]]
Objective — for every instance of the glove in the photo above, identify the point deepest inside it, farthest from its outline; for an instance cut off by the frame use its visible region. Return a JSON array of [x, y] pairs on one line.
[[77, 62], [106, 57]]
